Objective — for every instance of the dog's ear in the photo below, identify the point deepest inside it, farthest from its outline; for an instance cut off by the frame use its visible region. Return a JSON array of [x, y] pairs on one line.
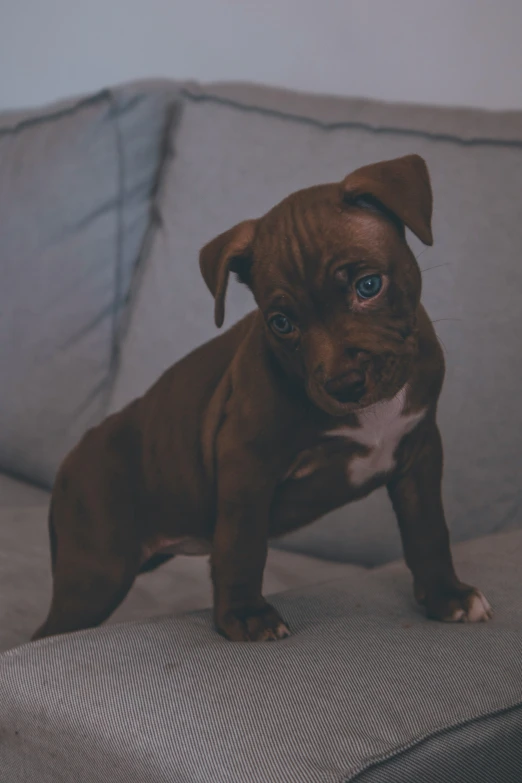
[[228, 252], [402, 186]]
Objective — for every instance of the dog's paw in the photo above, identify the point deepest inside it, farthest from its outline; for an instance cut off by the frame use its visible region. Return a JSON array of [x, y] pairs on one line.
[[461, 604], [252, 624]]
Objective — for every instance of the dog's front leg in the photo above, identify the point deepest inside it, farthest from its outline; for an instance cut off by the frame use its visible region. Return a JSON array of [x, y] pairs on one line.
[[416, 497], [239, 550]]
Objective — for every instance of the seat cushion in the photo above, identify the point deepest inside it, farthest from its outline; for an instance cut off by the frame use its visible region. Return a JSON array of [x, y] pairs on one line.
[[365, 689], [181, 585], [239, 150], [76, 181], [20, 494]]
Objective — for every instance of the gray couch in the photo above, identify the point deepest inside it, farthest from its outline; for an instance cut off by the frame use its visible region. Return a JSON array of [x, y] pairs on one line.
[[105, 202]]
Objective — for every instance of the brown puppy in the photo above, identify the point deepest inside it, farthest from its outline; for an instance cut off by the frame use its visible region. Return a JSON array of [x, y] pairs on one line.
[[324, 393]]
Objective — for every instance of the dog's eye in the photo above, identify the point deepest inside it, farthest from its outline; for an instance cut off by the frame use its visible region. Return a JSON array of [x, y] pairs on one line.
[[281, 324], [369, 286]]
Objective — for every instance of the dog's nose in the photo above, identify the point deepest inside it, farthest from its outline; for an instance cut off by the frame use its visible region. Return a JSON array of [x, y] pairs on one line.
[[348, 387]]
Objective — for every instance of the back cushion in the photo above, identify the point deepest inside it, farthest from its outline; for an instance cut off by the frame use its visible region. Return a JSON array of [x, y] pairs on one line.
[[238, 151], [76, 182]]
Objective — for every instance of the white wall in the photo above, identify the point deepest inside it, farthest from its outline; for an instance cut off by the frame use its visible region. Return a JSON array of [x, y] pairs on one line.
[[443, 51]]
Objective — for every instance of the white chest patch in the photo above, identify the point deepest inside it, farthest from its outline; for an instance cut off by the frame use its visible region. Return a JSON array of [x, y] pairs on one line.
[[381, 428]]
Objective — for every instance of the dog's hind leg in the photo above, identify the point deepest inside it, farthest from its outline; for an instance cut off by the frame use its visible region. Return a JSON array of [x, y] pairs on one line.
[[95, 546], [155, 561], [86, 598], [90, 579]]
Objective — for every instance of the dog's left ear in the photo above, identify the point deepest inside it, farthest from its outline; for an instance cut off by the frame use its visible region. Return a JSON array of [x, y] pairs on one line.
[[402, 186], [228, 252]]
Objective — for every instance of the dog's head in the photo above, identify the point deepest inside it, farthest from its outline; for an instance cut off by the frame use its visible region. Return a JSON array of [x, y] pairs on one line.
[[336, 281]]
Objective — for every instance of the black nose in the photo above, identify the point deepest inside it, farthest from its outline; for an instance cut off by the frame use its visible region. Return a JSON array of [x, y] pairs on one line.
[[348, 387]]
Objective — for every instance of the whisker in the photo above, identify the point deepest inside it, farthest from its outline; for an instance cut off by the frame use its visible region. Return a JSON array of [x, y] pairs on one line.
[[437, 320], [437, 266]]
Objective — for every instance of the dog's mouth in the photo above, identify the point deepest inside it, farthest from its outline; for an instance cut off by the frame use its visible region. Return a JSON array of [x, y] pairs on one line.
[[343, 401], [348, 388], [352, 391]]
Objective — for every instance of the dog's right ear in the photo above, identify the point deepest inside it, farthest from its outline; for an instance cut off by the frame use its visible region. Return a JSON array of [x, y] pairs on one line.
[[402, 186], [228, 252]]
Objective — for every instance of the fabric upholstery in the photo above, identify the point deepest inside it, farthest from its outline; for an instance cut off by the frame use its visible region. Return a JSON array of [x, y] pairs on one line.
[[366, 689], [20, 494], [76, 181], [365, 686], [237, 151]]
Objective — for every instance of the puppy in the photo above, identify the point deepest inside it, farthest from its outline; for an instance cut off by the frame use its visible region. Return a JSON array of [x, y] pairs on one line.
[[324, 393]]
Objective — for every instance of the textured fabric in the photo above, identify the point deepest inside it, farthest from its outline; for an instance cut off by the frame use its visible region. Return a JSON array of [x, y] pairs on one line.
[[181, 585], [237, 151], [365, 683], [488, 750], [76, 181]]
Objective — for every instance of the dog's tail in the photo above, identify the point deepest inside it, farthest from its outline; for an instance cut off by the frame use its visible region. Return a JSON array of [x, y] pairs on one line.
[[154, 562]]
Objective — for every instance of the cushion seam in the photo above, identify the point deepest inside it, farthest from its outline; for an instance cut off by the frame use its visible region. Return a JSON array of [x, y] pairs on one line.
[[381, 761], [172, 118], [350, 124], [55, 114], [23, 479]]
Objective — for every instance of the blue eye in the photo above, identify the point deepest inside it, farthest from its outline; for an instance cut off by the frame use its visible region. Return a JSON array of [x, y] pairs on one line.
[[368, 286], [281, 324]]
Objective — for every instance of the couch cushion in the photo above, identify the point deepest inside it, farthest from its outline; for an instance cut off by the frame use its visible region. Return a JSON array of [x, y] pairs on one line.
[[364, 686], [75, 190], [19, 494], [239, 150], [181, 585]]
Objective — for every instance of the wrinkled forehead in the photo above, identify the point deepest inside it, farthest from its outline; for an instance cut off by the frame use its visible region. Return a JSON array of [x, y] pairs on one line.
[[307, 233]]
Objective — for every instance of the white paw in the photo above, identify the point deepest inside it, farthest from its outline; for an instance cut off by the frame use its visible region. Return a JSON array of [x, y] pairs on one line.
[[476, 609], [281, 631]]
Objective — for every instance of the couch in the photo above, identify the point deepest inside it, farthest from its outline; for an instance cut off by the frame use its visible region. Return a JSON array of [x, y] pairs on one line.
[[105, 202]]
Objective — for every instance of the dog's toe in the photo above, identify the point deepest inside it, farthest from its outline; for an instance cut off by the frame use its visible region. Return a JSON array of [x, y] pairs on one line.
[[476, 610], [272, 634], [461, 604], [266, 626], [256, 624]]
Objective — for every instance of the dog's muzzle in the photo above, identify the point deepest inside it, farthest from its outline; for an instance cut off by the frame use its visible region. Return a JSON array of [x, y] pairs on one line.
[[348, 387]]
